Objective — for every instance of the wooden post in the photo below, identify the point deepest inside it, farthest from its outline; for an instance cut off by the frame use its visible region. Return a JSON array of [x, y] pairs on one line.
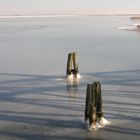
[[75, 62], [93, 104], [72, 65], [69, 64], [99, 102], [87, 105]]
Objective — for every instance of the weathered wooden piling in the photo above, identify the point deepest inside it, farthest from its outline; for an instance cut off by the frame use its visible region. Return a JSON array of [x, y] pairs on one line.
[[93, 104], [72, 64], [75, 63]]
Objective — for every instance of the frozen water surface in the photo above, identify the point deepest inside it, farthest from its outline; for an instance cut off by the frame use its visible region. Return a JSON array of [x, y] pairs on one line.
[[38, 102]]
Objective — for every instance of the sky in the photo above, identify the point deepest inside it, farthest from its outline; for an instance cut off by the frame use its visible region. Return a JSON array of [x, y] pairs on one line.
[[36, 7]]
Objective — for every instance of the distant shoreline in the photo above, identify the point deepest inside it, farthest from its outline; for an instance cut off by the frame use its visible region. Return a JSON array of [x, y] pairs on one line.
[[34, 16], [135, 17], [132, 16], [52, 15]]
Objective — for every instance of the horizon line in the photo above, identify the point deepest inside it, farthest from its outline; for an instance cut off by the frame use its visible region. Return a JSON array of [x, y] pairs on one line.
[[63, 15]]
